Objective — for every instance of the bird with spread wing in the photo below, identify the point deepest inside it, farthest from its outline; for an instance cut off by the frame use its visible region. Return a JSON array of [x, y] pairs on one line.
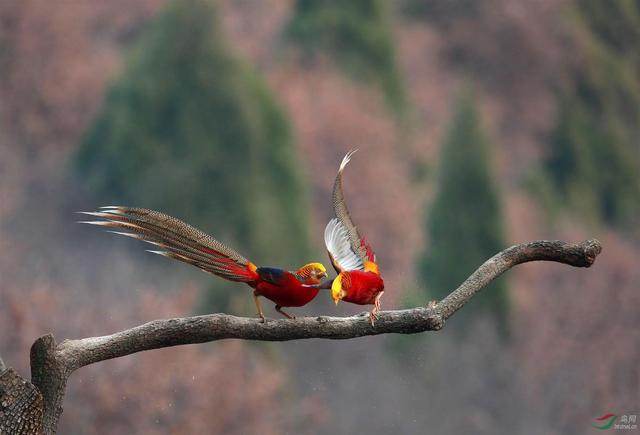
[[185, 243], [358, 280]]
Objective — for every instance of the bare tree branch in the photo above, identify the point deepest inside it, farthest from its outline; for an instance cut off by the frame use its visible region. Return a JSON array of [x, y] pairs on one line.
[[577, 255], [52, 364]]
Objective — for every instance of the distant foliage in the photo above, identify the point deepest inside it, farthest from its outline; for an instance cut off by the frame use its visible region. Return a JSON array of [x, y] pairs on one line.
[[354, 34], [440, 13], [464, 222], [594, 160], [191, 130]]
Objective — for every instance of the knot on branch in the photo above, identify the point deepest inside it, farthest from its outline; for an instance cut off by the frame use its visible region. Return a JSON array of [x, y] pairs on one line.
[[435, 322], [591, 248], [49, 375]]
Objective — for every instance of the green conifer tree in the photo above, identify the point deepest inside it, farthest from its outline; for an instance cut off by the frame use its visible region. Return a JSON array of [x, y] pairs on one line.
[[191, 130], [464, 222], [593, 159], [356, 35]]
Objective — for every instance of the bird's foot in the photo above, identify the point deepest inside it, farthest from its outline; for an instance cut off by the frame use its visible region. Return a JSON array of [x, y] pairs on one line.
[[373, 316], [432, 304], [288, 316]]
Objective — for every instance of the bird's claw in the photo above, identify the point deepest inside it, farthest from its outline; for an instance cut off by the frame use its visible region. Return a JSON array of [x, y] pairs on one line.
[[372, 318], [432, 304], [287, 315]]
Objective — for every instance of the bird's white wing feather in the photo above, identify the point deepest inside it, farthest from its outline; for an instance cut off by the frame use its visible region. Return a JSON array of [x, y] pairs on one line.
[[336, 239]]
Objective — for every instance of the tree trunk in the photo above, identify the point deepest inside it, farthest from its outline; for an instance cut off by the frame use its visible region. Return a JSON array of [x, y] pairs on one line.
[[21, 405]]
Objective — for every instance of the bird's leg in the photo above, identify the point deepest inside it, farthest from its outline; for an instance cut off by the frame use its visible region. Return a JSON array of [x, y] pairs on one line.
[[279, 309], [373, 315], [258, 306], [377, 303]]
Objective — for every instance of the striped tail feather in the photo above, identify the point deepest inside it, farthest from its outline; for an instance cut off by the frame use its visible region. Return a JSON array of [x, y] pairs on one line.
[[177, 240]]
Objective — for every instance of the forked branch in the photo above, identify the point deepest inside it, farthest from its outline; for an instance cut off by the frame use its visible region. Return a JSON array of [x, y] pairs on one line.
[[52, 363]]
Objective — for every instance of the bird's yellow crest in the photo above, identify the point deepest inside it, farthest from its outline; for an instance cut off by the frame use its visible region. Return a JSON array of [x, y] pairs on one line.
[[340, 286], [336, 289], [318, 266]]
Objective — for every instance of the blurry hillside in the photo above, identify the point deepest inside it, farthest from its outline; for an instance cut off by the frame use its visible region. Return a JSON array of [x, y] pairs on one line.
[[465, 177], [356, 35], [558, 92]]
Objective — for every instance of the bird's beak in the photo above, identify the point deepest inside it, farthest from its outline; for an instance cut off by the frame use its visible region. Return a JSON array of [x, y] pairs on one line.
[[323, 275]]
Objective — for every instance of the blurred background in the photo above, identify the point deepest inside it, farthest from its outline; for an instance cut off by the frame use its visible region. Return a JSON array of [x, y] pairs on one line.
[[480, 124]]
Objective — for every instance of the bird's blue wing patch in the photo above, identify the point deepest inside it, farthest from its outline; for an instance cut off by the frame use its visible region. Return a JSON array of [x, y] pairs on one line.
[[272, 274]]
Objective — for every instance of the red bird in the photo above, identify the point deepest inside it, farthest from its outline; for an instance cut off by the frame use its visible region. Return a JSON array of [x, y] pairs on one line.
[[183, 242], [358, 279]]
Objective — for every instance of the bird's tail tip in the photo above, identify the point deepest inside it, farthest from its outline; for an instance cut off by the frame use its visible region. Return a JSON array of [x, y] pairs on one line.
[[99, 223], [105, 213], [99, 214], [347, 159]]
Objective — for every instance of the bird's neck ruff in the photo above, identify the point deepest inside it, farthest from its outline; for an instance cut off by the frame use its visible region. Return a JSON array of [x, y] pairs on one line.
[[305, 273]]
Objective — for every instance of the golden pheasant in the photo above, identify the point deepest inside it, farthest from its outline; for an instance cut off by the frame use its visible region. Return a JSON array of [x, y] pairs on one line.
[[358, 279], [185, 243]]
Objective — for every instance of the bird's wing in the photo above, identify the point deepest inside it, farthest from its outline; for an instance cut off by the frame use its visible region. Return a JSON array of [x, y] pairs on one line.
[[272, 275], [177, 240], [347, 249]]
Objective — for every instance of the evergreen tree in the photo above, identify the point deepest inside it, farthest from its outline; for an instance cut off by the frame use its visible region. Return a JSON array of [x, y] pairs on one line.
[[464, 222], [594, 160], [356, 35], [191, 130]]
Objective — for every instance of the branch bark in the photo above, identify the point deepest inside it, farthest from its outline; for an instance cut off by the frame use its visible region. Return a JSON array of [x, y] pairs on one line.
[[52, 364]]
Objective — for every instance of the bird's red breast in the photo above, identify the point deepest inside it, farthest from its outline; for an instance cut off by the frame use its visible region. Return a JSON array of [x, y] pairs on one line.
[[361, 287], [289, 291]]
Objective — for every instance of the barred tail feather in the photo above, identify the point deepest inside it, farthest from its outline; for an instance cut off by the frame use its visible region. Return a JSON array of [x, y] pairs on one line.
[[177, 240], [340, 206]]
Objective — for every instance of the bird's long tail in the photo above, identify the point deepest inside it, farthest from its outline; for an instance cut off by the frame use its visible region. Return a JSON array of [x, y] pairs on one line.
[[177, 240]]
